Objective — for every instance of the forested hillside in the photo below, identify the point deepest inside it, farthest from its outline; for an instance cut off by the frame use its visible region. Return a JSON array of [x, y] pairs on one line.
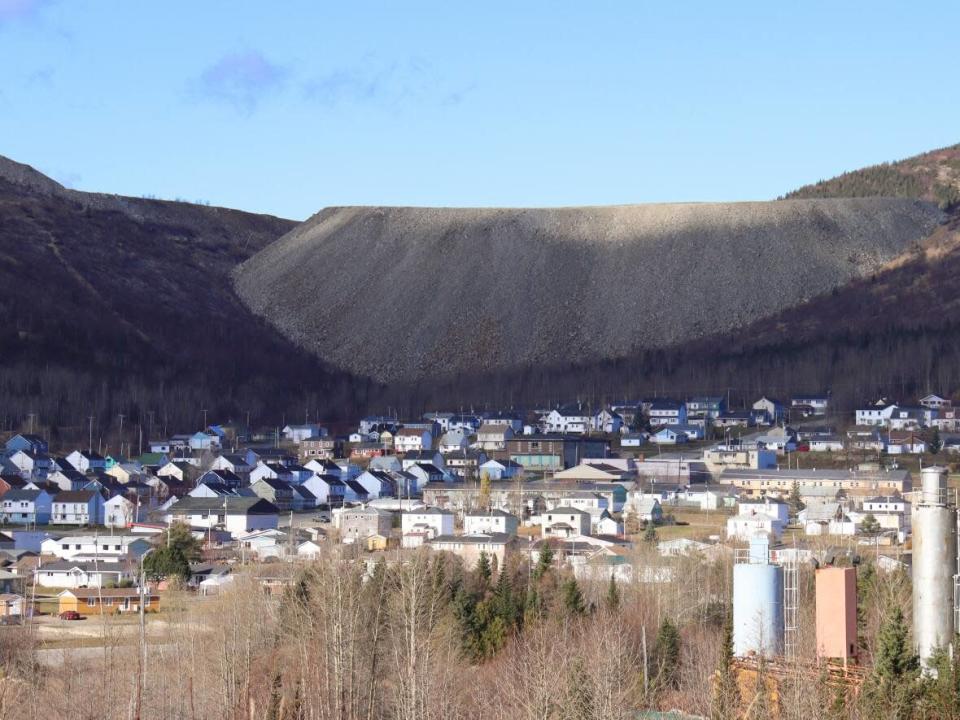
[[122, 305]]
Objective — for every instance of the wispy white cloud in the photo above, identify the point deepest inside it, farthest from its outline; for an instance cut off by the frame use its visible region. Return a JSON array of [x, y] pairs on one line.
[[391, 83], [241, 80]]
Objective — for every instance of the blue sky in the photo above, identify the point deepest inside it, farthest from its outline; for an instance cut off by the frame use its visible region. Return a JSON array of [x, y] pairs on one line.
[[289, 107]]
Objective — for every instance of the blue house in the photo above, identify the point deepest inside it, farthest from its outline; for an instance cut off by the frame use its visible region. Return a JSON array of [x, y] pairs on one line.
[[28, 443]]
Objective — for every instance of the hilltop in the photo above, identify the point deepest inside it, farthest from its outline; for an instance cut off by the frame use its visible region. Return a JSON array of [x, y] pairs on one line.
[[932, 176], [417, 294]]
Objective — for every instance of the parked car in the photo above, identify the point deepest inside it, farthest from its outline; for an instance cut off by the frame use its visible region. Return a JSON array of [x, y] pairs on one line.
[[70, 615]]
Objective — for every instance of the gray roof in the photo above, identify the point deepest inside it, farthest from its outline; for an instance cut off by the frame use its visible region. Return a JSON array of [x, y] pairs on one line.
[[249, 505], [476, 539]]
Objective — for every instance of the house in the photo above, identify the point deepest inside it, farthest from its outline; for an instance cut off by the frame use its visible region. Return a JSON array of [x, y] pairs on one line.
[[667, 412], [492, 436], [30, 465], [377, 483], [354, 492], [501, 469], [318, 447], [237, 515], [565, 522], [706, 408], [96, 548], [275, 491], [772, 410], [606, 421], [418, 526], [595, 472], [431, 457], [490, 521], [359, 523], [633, 439], [269, 543], [413, 439], [809, 405], [905, 443], [735, 418], [298, 433], [12, 605], [77, 507], [83, 574], [203, 440], [107, 601], [453, 441], [644, 508], [470, 546], [573, 418], [935, 402], [120, 512], [28, 443], [871, 415], [327, 489], [550, 453], [26, 507], [465, 464], [87, 462], [669, 436], [424, 473], [831, 443], [235, 463], [508, 419], [735, 456]]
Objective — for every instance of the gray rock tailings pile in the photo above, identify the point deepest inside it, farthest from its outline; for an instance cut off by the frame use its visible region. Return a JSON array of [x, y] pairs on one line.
[[404, 294]]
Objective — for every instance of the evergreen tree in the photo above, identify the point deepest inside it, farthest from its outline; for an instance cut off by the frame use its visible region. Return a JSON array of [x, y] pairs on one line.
[[936, 443], [667, 654], [726, 695], [505, 605], [484, 572], [870, 526], [796, 504], [179, 536], [613, 594], [573, 598], [894, 658], [544, 562]]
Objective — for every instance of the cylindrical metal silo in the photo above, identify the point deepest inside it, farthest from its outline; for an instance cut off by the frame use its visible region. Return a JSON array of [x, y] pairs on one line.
[[757, 607], [934, 519]]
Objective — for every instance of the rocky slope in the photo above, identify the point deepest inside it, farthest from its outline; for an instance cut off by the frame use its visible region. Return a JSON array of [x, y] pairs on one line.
[[407, 294]]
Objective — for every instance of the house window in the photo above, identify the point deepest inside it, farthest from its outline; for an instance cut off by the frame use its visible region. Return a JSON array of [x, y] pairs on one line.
[[91, 602], [108, 601]]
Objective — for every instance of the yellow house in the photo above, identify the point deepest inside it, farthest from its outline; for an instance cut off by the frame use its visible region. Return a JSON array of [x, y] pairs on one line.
[[94, 601]]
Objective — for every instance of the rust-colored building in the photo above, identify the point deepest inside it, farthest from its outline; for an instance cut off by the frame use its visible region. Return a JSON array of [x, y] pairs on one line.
[[836, 613]]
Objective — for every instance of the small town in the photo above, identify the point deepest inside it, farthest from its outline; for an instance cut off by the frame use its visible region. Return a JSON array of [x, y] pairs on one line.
[[479, 361], [632, 495]]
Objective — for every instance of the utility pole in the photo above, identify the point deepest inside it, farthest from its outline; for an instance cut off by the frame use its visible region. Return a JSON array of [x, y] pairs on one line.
[[204, 411], [90, 433]]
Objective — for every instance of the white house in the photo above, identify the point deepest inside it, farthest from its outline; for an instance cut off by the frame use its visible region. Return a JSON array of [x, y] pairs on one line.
[[86, 462], [874, 415], [471, 546], [432, 520], [77, 507], [453, 441], [490, 521], [119, 512], [412, 439], [74, 574], [935, 402], [492, 436], [99, 548], [237, 515], [571, 419], [606, 421], [501, 469], [299, 433], [669, 436], [565, 522], [667, 412]]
